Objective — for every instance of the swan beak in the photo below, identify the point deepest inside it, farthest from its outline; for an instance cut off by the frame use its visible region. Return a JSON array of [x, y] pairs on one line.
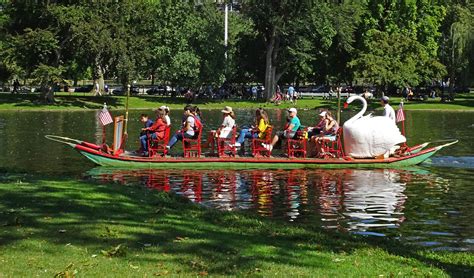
[[346, 105]]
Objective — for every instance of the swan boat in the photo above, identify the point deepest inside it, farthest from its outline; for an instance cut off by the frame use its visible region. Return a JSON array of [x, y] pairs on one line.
[[117, 157], [413, 156]]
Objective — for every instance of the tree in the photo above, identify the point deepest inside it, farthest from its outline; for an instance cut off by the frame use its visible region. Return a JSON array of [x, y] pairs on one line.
[[398, 43], [47, 77], [275, 23], [394, 59], [458, 43]]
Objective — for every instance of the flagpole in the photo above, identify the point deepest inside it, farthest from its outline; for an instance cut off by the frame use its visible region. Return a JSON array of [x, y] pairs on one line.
[[338, 115], [126, 112], [403, 122], [103, 127]]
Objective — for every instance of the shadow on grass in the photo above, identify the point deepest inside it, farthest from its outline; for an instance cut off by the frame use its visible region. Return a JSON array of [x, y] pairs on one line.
[[33, 100], [97, 216]]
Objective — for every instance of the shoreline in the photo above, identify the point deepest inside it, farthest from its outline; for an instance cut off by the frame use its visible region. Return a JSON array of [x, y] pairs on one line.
[[70, 103]]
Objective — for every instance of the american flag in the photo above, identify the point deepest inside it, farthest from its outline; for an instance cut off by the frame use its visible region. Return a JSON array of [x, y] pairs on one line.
[[104, 117], [400, 113]]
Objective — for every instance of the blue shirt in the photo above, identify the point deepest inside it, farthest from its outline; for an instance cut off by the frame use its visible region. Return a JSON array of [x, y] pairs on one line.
[[291, 90], [148, 123], [296, 123]]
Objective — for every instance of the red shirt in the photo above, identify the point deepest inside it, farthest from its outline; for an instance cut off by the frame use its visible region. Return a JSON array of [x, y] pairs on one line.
[[159, 128]]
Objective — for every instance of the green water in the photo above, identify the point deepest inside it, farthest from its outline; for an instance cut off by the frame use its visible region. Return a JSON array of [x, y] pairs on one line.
[[429, 205]]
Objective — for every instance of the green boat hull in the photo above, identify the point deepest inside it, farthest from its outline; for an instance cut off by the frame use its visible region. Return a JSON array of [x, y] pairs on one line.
[[251, 164], [95, 153]]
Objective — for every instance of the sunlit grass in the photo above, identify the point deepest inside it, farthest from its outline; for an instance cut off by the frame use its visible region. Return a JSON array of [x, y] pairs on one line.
[[81, 101], [66, 227]]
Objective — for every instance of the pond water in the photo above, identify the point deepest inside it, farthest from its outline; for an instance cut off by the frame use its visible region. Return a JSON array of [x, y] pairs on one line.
[[429, 205]]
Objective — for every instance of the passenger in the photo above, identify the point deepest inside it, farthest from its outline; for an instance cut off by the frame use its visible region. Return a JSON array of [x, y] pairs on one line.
[[257, 130], [188, 127], [314, 131], [289, 132], [197, 113], [328, 132], [147, 122], [156, 131], [228, 123], [167, 112], [387, 109]]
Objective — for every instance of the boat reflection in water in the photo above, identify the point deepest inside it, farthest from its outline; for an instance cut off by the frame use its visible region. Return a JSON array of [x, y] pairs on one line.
[[353, 200]]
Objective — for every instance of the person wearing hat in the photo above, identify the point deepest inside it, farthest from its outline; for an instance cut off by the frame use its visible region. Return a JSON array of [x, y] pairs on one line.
[[313, 131], [387, 109], [289, 132], [228, 123], [167, 112]]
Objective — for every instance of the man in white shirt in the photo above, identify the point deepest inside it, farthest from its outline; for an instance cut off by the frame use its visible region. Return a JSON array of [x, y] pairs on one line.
[[387, 109]]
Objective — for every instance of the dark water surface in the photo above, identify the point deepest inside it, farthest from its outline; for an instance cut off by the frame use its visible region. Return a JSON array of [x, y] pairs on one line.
[[430, 205]]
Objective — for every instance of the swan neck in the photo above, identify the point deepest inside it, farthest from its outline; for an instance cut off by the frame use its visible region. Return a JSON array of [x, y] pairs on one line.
[[361, 112]]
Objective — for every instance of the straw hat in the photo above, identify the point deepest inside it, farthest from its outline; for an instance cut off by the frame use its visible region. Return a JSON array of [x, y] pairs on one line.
[[227, 110], [166, 108]]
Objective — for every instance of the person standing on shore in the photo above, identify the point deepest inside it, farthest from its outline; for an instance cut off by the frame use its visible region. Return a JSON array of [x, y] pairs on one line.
[[292, 94]]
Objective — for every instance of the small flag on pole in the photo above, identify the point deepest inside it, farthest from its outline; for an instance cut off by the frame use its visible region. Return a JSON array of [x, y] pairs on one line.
[[104, 116], [400, 113]]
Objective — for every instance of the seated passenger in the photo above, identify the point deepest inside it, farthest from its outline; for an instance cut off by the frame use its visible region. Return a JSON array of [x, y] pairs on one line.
[[328, 132], [257, 130], [147, 122], [156, 131], [289, 132], [314, 131], [189, 127], [228, 123], [167, 112]]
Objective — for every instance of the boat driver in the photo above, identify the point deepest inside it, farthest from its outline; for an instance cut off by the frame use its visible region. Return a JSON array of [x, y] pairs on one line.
[[387, 109]]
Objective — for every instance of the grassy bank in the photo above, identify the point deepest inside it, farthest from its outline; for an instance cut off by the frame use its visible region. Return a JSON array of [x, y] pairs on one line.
[[62, 227], [81, 101]]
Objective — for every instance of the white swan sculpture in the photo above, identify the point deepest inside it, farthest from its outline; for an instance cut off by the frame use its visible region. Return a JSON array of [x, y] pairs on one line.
[[368, 136]]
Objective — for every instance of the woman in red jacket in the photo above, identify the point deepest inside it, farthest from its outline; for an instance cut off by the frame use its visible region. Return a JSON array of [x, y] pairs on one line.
[[156, 131]]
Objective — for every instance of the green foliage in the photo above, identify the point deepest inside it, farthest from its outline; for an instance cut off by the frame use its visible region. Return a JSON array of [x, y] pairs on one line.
[[181, 42], [396, 60], [35, 47], [458, 42], [399, 43], [45, 75]]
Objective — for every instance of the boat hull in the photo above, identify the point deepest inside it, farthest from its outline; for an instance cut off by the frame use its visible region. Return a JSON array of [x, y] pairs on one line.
[[107, 160]]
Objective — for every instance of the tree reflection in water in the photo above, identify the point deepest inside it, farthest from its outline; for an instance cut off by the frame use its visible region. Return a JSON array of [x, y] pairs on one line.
[[353, 200]]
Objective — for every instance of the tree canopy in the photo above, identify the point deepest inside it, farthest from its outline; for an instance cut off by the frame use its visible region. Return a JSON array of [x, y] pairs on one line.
[[180, 43]]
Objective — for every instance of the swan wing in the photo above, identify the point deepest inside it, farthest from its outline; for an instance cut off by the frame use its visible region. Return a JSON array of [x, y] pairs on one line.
[[371, 136]]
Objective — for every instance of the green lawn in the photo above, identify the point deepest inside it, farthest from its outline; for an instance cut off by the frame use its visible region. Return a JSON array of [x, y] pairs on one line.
[[81, 101], [58, 227]]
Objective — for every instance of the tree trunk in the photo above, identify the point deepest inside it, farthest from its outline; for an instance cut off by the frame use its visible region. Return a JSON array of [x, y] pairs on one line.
[[47, 95], [269, 68]]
